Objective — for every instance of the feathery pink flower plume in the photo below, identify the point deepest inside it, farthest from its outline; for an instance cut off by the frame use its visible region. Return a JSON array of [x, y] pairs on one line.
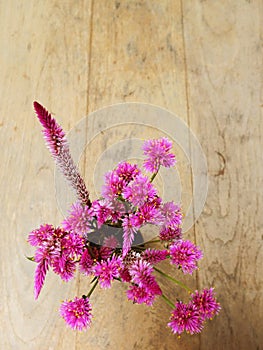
[[40, 275], [59, 148], [130, 228]]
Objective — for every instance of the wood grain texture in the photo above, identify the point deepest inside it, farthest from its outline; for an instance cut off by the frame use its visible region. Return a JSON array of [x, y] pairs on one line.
[[224, 65], [199, 59]]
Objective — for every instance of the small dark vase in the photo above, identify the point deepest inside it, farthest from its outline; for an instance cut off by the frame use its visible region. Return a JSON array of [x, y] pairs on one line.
[[97, 235]]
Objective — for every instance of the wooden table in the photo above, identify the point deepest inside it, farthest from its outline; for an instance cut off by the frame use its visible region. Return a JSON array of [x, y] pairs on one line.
[[201, 60]]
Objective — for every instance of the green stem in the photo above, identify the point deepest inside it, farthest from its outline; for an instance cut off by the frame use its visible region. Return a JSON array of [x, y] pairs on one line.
[[148, 242], [138, 247], [93, 287], [154, 241], [153, 176], [168, 301], [173, 279]]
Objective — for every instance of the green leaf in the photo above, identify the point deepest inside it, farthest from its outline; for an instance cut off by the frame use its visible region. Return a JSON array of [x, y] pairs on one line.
[[31, 258]]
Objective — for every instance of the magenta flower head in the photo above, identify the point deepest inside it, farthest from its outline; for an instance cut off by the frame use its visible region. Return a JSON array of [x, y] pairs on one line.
[[158, 153], [170, 233], [150, 214], [77, 313], [139, 191], [127, 172], [65, 267], [184, 254], [140, 271], [108, 270], [40, 235], [206, 303], [145, 287], [79, 219], [102, 211], [118, 179], [86, 263], [172, 214], [185, 317], [140, 295], [113, 185], [154, 256]]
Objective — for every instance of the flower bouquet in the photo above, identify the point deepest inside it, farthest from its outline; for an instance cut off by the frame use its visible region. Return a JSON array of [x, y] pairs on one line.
[[102, 238]]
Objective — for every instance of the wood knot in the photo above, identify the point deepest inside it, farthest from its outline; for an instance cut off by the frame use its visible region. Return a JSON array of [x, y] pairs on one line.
[[221, 171]]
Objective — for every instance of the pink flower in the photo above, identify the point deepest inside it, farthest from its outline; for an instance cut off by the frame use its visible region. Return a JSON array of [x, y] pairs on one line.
[[148, 213], [64, 267], [117, 179], [124, 274], [170, 233], [58, 249], [158, 153], [184, 254], [43, 256], [77, 313], [140, 295], [171, 230], [40, 235], [53, 133], [73, 244], [113, 185], [153, 256], [206, 303], [152, 287], [130, 228], [140, 271], [102, 211], [172, 214], [43, 253], [86, 263], [105, 252], [127, 172], [117, 210], [108, 270], [139, 191], [40, 275], [98, 237], [142, 277], [79, 219], [185, 317], [58, 146]]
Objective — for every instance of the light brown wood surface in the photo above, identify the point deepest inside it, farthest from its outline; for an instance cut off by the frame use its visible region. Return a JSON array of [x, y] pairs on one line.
[[201, 60]]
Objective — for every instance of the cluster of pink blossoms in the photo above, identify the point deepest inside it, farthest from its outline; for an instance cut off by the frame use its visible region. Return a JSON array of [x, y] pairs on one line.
[[102, 238]]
